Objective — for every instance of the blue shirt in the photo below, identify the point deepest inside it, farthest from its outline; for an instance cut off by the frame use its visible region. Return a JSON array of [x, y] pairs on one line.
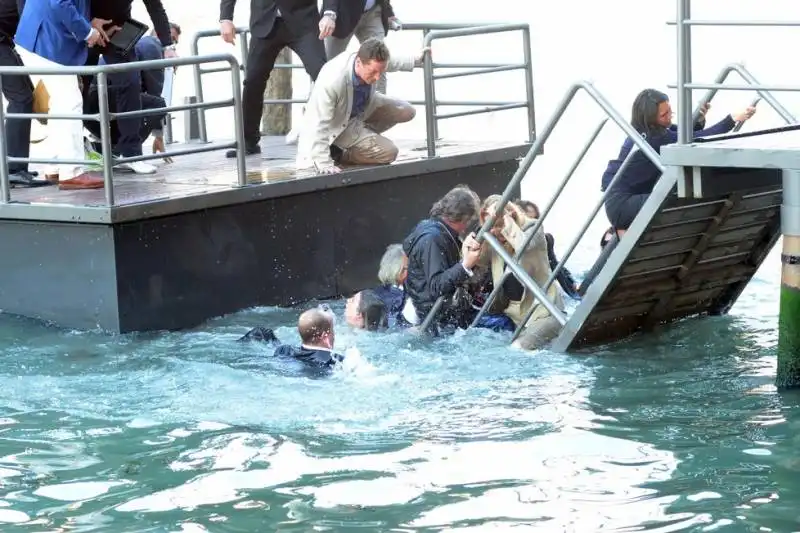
[[361, 92]]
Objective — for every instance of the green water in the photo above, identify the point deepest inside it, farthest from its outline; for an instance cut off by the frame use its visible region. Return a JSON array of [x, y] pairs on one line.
[[680, 431]]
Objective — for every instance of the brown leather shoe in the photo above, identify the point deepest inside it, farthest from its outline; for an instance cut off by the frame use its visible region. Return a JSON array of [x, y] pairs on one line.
[[51, 178], [87, 180]]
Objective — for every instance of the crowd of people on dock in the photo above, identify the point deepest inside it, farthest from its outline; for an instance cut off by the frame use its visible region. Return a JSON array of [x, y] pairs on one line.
[[343, 123]]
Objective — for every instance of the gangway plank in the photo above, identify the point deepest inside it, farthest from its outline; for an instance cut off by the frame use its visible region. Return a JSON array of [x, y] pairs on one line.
[[687, 256]]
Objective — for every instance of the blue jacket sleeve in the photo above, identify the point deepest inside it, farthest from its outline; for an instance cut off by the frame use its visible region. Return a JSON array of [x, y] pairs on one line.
[[723, 126], [72, 19]]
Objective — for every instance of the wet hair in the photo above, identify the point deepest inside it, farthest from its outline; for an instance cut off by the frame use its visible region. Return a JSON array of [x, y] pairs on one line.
[[372, 308], [391, 264], [373, 49], [644, 112], [313, 325], [527, 206], [459, 205]]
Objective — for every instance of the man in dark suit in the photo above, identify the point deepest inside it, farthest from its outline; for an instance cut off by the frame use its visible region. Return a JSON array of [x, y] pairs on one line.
[[18, 90], [126, 86], [274, 24], [366, 19]]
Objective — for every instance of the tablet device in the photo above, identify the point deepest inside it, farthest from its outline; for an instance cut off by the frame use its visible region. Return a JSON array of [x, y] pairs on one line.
[[128, 35]]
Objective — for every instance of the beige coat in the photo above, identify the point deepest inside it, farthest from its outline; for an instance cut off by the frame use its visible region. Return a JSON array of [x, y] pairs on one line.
[[534, 261], [327, 113]]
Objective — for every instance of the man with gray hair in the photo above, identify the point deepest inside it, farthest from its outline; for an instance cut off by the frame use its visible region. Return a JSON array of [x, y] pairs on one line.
[[439, 262]]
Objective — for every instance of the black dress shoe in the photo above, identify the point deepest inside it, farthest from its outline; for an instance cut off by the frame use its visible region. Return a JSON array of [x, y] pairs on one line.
[[249, 150], [25, 179]]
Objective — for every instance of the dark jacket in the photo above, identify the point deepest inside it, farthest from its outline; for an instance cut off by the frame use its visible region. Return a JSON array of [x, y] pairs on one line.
[[118, 11], [434, 267], [564, 277], [311, 357], [149, 48], [393, 298], [9, 18], [301, 16], [349, 12], [641, 175]]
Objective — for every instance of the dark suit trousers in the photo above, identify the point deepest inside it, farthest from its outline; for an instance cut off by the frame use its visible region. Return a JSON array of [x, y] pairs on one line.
[[127, 88], [18, 90], [260, 62], [148, 123]]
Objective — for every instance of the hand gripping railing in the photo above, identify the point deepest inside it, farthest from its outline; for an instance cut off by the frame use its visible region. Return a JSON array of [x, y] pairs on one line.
[[439, 30], [525, 165], [752, 84], [104, 116]]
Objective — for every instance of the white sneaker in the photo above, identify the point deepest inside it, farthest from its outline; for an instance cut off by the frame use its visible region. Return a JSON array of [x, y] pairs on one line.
[[137, 167]]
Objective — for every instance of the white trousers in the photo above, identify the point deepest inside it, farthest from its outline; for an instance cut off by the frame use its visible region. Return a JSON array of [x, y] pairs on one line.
[[65, 137]]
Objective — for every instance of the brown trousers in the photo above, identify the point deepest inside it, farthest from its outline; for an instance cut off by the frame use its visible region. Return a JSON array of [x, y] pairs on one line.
[[372, 148]]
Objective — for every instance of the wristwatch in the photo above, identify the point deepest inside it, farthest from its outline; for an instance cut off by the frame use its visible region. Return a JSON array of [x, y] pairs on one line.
[[169, 47], [331, 14]]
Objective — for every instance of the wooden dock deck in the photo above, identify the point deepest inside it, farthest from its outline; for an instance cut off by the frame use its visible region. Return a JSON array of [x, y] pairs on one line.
[[209, 179], [690, 253]]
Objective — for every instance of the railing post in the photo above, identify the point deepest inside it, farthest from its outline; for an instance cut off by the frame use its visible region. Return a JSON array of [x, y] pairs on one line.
[[5, 186], [430, 102], [105, 137], [435, 122], [198, 91], [244, 48], [685, 120], [526, 45], [238, 123]]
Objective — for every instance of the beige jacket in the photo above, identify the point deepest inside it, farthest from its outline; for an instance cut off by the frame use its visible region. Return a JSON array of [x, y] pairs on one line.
[[534, 261], [327, 113]]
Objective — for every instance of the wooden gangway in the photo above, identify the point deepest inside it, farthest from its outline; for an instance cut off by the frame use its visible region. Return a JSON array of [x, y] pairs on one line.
[[682, 257]]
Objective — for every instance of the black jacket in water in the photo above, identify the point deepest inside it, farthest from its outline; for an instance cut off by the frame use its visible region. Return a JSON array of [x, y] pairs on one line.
[[434, 268], [317, 358]]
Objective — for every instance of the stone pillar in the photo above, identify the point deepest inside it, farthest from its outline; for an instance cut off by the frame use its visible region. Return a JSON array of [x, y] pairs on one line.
[[789, 319], [277, 118]]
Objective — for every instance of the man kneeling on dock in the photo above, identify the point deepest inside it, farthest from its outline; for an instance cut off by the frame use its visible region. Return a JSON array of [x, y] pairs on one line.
[[345, 117]]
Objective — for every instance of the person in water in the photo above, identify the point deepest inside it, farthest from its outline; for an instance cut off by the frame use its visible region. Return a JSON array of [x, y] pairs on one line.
[[365, 310], [439, 262], [564, 277], [315, 327], [512, 230], [651, 117], [392, 274]]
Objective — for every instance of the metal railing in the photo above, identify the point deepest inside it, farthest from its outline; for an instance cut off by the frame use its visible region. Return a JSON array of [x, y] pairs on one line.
[[685, 85], [104, 117], [611, 113], [512, 262], [430, 32]]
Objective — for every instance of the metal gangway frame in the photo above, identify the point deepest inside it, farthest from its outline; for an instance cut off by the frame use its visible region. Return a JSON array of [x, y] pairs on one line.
[[573, 323], [430, 33], [104, 117]]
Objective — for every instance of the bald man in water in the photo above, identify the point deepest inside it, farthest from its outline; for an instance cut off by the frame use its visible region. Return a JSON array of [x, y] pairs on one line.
[[315, 327]]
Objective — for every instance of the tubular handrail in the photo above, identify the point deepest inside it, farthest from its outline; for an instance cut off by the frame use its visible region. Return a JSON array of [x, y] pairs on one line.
[[104, 116], [431, 115], [518, 254], [754, 84], [685, 86], [525, 165]]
